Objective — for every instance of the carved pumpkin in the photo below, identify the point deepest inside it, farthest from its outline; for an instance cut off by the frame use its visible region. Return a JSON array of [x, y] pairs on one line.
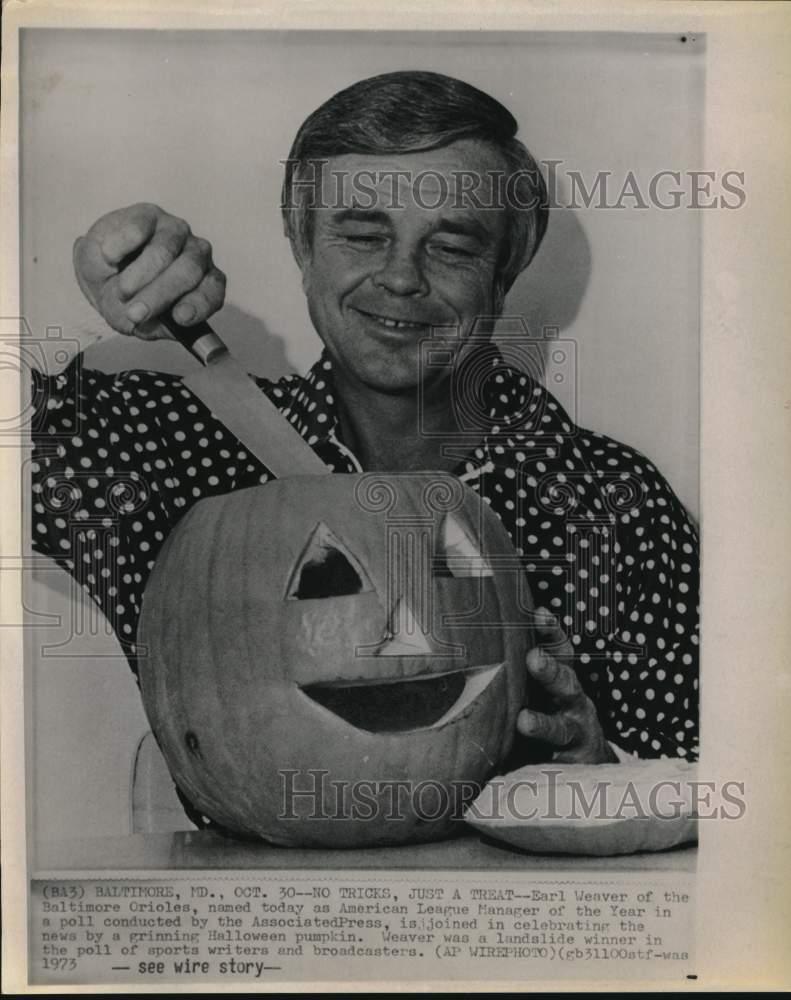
[[329, 658]]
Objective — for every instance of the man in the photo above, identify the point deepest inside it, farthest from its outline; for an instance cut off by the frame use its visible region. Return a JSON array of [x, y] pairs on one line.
[[411, 208]]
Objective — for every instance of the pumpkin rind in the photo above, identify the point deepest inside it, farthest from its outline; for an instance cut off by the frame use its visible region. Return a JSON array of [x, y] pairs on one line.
[[591, 809]]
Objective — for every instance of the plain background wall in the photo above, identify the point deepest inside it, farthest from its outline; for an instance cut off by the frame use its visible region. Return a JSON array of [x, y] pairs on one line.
[[198, 122]]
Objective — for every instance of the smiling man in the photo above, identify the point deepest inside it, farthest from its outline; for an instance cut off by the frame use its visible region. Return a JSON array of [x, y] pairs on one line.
[[411, 208], [418, 261]]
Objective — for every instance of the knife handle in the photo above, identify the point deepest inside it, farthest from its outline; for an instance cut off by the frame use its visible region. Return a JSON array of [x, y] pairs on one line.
[[200, 340]]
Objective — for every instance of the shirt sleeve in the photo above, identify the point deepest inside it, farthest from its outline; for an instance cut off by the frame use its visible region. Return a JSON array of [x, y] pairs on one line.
[[648, 689], [117, 460]]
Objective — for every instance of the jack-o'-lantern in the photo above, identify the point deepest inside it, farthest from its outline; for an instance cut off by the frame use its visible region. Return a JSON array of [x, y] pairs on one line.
[[336, 660]]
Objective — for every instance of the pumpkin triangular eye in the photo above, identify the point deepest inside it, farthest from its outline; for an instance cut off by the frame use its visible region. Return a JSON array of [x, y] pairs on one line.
[[459, 555], [326, 569]]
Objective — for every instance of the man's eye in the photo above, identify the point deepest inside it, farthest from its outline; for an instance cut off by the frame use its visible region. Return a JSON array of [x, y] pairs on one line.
[[364, 239], [449, 250]]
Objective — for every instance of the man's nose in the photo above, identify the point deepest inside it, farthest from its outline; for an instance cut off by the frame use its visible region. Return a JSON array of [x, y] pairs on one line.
[[401, 273]]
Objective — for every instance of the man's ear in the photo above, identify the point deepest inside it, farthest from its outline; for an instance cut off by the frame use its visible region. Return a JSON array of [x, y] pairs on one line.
[[296, 240]]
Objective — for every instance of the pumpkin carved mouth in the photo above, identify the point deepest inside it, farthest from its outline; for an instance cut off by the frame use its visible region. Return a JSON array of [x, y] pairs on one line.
[[398, 705]]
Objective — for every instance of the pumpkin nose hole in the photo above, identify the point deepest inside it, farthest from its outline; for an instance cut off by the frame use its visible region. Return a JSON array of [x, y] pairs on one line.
[[192, 743], [392, 707]]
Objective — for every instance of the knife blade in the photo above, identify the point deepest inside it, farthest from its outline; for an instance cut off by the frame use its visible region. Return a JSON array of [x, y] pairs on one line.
[[242, 407]]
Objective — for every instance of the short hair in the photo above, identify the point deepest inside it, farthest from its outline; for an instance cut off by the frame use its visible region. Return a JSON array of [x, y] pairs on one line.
[[416, 111]]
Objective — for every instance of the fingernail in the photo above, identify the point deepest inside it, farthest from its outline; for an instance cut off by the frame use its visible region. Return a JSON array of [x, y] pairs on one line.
[[526, 723], [137, 312], [537, 660], [183, 314]]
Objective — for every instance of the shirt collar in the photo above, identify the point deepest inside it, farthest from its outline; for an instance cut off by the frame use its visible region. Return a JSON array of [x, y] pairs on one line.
[[504, 393], [312, 408]]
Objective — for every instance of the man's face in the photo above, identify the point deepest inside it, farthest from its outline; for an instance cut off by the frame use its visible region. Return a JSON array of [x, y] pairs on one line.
[[397, 251]]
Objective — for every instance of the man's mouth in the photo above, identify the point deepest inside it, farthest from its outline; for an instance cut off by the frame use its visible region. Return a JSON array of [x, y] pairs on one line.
[[392, 322]]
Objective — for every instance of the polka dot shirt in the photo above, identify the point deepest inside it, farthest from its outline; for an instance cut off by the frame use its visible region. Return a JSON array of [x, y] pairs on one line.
[[607, 547]]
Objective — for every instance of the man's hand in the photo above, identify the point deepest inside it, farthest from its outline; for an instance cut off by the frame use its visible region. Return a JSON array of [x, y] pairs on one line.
[[135, 263], [573, 727]]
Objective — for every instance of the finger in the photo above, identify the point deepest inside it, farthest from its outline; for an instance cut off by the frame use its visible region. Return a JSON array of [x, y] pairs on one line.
[[183, 276], [551, 635], [204, 301], [125, 231], [152, 329], [90, 266], [156, 257], [558, 679], [112, 307], [557, 730]]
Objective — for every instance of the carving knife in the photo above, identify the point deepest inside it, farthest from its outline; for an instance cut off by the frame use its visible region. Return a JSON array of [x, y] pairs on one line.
[[248, 413]]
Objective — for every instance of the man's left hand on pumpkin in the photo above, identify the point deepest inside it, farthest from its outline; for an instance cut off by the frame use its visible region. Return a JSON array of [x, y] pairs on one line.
[[572, 725]]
